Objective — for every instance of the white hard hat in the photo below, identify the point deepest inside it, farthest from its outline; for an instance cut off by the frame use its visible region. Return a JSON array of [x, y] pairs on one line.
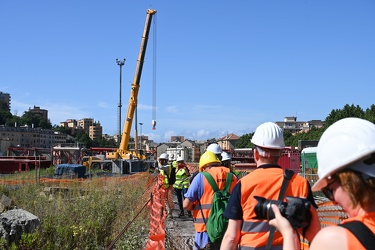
[[268, 135], [225, 156], [214, 148], [180, 159], [345, 144], [164, 156]]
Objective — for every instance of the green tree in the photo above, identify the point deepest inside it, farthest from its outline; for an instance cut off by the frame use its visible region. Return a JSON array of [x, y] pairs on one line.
[[347, 111], [29, 118], [245, 141], [83, 137], [4, 112], [370, 113]]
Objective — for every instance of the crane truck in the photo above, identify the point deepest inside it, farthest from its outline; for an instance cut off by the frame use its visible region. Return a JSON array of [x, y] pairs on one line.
[[123, 153]]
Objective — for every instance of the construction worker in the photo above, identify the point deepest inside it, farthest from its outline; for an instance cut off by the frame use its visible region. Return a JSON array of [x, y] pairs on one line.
[[214, 148], [168, 177], [167, 171], [245, 230], [200, 194], [226, 161], [182, 183], [346, 170]]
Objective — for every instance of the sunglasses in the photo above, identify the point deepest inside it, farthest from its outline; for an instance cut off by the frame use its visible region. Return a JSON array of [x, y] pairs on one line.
[[328, 192]]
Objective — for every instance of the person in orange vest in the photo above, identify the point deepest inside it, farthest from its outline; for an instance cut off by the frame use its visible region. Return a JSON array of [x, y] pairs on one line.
[[246, 230], [214, 148], [200, 194], [346, 170]]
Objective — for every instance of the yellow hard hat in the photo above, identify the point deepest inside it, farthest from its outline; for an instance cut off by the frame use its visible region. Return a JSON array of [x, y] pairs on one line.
[[207, 158]]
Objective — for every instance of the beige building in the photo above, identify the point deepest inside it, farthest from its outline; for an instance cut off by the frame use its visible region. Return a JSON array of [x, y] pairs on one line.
[[228, 142], [95, 131], [291, 124], [27, 137], [85, 124]]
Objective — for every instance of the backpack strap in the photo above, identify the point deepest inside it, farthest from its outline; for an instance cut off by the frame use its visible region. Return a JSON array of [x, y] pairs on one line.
[[210, 179], [212, 182], [288, 174], [362, 232]]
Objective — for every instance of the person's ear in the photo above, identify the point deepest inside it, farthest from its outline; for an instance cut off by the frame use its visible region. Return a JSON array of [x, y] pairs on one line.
[[256, 154]]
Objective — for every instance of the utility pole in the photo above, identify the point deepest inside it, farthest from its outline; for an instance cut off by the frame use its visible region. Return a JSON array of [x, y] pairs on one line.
[[120, 63]]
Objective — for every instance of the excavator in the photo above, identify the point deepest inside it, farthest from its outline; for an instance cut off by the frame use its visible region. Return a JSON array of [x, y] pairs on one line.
[[123, 152]]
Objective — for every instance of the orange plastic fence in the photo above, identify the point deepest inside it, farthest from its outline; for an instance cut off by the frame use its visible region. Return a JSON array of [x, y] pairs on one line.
[[160, 205]]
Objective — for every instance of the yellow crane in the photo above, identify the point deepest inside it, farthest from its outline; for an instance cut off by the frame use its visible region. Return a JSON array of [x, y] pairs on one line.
[[123, 152]]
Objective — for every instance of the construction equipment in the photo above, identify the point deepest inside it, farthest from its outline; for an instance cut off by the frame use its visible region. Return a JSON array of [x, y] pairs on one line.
[[96, 163], [123, 152]]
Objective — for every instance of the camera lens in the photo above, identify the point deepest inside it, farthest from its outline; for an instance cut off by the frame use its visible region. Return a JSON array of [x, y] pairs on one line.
[[263, 208]]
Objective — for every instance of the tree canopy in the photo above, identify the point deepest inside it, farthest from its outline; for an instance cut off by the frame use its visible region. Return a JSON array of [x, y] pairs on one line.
[[316, 133]]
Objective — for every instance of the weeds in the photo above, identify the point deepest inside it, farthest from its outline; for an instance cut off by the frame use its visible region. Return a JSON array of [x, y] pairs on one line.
[[82, 214]]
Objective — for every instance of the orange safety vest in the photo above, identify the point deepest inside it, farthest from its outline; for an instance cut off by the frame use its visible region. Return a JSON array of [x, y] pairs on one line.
[[352, 241], [219, 174], [264, 182]]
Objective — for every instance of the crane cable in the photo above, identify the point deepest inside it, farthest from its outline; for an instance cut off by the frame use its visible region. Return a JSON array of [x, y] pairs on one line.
[[154, 76]]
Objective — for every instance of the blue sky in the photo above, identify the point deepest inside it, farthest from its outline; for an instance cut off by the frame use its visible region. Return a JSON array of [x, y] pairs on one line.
[[221, 66]]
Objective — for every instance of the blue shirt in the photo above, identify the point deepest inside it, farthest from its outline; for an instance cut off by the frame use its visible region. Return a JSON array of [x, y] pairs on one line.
[[194, 193]]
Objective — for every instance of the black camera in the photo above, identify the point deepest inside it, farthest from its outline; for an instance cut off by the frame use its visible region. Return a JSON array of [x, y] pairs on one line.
[[296, 210]]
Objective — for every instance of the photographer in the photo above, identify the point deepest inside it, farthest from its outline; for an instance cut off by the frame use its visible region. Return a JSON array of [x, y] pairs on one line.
[[346, 169], [245, 229]]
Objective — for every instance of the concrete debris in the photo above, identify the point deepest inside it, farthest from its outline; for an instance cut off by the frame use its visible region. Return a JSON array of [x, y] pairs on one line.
[[15, 222]]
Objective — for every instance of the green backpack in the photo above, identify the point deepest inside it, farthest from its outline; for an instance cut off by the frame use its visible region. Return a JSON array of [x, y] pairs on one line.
[[217, 224]]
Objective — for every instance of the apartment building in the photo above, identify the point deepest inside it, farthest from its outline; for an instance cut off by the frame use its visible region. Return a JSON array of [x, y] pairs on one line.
[[6, 98], [28, 137]]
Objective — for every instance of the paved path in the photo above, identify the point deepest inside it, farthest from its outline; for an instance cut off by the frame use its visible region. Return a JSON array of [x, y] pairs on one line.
[[180, 230]]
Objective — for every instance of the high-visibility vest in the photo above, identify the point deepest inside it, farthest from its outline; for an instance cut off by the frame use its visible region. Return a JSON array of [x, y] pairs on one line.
[[182, 179], [368, 220], [165, 177], [219, 174], [264, 182]]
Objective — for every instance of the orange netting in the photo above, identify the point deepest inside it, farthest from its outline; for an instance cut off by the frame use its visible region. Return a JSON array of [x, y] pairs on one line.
[[160, 206]]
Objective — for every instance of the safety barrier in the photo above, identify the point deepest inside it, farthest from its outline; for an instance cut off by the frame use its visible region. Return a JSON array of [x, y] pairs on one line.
[[160, 206]]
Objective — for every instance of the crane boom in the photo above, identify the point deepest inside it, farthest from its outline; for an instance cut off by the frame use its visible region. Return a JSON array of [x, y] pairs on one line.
[[123, 151]]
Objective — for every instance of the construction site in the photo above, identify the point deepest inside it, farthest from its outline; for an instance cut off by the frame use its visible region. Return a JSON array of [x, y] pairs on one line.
[[167, 229]]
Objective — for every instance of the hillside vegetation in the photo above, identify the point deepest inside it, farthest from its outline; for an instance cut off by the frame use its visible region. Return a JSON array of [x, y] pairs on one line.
[[316, 133]]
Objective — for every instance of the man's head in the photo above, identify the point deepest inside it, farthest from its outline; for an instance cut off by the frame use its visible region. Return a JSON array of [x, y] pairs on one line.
[[208, 160], [216, 149], [226, 159], [268, 141], [163, 158]]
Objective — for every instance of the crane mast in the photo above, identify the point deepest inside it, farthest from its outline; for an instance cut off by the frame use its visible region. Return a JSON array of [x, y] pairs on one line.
[[123, 151]]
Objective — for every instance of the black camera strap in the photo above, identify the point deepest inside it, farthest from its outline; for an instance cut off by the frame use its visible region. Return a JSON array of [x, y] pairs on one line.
[[362, 232], [288, 174]]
